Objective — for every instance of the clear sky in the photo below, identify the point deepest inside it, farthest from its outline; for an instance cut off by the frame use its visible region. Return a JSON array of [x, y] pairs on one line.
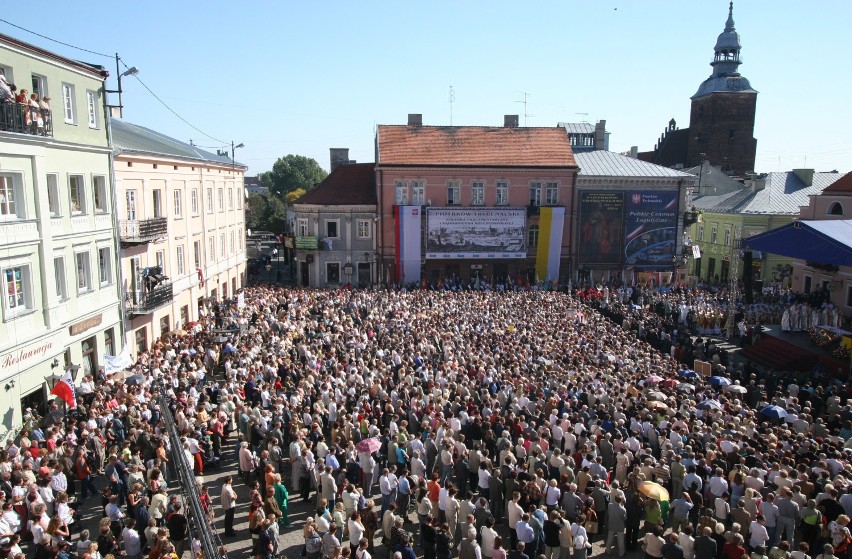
[[303, 76]]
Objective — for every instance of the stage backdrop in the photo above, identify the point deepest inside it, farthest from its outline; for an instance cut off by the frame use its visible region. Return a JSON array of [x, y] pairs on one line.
[[476, 233], [601, 227], [651, 229]]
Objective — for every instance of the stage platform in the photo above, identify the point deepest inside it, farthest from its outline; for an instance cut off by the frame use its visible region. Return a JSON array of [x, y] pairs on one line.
[[792, 351]]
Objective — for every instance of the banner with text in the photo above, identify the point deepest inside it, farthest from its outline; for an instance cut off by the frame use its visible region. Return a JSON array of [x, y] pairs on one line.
[[601, 227], [651, 229], [476, 233]]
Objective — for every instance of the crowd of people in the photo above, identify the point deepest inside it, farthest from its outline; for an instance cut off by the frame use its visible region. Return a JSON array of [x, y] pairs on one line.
[[22, 111], [472, 424]]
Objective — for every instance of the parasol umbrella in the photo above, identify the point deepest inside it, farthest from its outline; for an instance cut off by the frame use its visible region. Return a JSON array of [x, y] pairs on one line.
[[220, 340], [121, 375], [655, 405], [179, 332], [133, 380], [720, 381], [654, 379], [653, 490], [669, 383], [775, 412], [370, 445], [685, 387], [229, 349], [735, 389], [655, 395], [709, 404], [687, 373]]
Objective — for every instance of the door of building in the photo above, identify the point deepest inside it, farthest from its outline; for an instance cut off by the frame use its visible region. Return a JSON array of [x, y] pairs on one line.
[[305, 278], [364, 276]]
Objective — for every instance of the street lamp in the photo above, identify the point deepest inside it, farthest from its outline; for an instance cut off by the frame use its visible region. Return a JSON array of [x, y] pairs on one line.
[[233, 148], [132, 71]]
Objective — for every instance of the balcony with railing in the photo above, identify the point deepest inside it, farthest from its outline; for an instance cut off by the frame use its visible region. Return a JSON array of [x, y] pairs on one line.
[[25, 119], [147, 301], [139, 231]]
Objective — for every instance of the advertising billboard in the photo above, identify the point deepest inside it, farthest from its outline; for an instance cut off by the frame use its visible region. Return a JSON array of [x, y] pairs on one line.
[[476, 233], [601, 227], [651, 229]]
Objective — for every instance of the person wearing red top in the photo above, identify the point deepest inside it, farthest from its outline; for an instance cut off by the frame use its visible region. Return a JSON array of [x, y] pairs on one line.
[[734, 549]]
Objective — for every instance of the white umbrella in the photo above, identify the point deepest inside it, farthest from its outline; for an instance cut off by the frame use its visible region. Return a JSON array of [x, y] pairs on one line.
[[735, 388]]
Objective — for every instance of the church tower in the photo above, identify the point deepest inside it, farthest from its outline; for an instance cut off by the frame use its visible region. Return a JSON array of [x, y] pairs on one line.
[[721, 122]]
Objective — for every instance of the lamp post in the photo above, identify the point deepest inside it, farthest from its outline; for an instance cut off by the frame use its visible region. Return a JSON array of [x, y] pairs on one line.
[[233, 149], [132, 71]]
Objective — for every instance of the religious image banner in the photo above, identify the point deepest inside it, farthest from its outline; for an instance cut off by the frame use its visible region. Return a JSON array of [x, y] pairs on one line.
[[549, 250], [483, 233], [651, 229], [601, 227]]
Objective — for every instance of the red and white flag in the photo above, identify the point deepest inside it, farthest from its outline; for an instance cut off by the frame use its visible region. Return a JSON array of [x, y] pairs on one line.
[[65, 389]]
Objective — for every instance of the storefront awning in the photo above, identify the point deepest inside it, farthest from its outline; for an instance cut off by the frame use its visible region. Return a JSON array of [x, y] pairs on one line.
[[826, 242]]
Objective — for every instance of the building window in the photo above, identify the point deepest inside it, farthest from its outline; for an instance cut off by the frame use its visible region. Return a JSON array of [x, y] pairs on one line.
[[400, 193], [78, 194], [502, 194], [332, 272], [141, 338], [240, 238], [100, 193], [59, 278], [39, 85], [92, 106], [109, 342], [302, 226], [365, 229], [714, 233], [68, 107], [418, 193], [84, 275], [53, 195], [221, 196], [453, 193], [180, 266], [9, 195], [808, 284], [130, 200], [727, 236], [535, 194], [551, 194], [164, 325], [231, 242], [105, 265], [196, 253], [332, 228], [835, 209], [699, 232], [16, 289], [178, 201], [222, 246], [184, 315], [230, 198], [194, 201], [477, 193], [158, 202], [211, 249], [210, 200], [532, 236], [698, 267]]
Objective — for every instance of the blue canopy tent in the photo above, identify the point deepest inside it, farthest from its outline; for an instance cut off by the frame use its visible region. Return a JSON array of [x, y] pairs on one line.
[[826, 242]]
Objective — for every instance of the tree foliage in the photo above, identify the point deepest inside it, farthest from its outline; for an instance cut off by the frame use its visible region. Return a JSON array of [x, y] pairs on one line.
[[292, 172], [266, 213]]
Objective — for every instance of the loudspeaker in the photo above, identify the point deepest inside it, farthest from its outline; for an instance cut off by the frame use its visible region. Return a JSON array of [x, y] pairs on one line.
[[748, 278]]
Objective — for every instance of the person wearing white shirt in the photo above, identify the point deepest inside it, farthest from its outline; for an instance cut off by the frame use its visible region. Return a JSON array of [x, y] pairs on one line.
[[757, 533], [718, 484], [488, 535], [388, 484]]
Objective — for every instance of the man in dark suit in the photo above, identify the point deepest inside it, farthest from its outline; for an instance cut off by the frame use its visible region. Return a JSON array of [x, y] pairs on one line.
[[705, 545], [519, 552]]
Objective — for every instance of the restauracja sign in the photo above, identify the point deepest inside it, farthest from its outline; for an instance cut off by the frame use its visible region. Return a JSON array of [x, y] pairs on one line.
[[24, 354]]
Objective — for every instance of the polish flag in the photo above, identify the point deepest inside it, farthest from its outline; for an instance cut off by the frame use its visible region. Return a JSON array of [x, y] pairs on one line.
[[65, 390]]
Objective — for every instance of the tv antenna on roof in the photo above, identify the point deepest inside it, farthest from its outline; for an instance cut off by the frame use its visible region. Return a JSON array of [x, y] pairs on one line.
[[585, 120], [452, 99], [526, 115]]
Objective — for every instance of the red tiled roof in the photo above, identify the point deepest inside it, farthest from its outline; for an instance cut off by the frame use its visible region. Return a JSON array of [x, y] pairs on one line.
[[843, 184], [348, 185], [474, 146]]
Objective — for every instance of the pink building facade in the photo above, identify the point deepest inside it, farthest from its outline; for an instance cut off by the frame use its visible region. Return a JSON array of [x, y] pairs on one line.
[[473, 203]]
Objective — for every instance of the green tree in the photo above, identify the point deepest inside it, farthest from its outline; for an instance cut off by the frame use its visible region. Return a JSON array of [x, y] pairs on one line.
[[292, 172], [266, 213]]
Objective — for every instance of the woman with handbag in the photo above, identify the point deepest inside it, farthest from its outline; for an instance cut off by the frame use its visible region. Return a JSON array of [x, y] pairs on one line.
[[580, 538]]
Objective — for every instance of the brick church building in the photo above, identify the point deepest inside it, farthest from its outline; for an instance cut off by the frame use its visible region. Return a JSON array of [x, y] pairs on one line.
[[721, 121]]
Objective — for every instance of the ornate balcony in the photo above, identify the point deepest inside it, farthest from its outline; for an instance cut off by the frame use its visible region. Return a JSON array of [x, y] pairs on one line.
[[141, 303], [24, 119], [140, 231]]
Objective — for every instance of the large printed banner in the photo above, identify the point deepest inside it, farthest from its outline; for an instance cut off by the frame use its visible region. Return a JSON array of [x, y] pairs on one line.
[[550, 225], [651, 229], [601, 227], [476, 233], [408, 243]]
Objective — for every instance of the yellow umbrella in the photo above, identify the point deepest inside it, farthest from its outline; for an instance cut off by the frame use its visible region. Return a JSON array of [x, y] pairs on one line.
[[655, 405], [653, 490]]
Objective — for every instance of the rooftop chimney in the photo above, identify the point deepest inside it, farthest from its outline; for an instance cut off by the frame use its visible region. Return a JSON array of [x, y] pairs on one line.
[[339, 156], [510, 121], [805, 175], [415, 119], [601, 140]]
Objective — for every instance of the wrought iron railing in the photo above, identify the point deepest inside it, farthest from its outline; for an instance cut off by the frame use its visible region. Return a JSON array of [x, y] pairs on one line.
[[143, 230], [24, 119], [143, 303]]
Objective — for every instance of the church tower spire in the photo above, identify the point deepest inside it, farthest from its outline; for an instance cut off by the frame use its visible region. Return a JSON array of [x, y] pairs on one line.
[[726, 60]]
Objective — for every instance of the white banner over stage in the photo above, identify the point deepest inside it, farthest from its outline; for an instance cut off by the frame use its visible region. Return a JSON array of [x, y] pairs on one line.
[[483, 233]]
